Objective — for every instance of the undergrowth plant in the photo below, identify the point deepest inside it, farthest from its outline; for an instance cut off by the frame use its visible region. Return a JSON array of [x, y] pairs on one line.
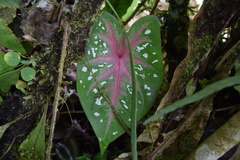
[[12, 66], [105, 77]]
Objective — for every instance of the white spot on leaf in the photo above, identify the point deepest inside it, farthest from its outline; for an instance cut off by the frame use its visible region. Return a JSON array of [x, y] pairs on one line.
[[148, 94], [105, 45], [139, 67], [101, 120], [94, 70], [145, 55], [89, 78], [146, 87], [129, 119], [123, 101], [93, 52], [142, 75], [110, 65], [96, 114], [100, 65], [105, 52], [103, 82], [139, 48], [96, 42], [129, 89], [84, 69], [80, 81], [155, 75], [98, 101], [145, 45], [114, 133], [147, 31], [154, 53], [154, 61], [103, 28], [95, 90]]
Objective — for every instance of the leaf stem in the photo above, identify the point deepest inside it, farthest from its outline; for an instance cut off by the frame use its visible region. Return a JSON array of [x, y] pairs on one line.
[[134, 94], [134, 108]]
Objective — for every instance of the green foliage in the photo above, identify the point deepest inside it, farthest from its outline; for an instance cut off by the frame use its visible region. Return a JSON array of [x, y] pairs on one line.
[[1, 100], [83, 158], [130, 10], [10, 3], [68, 150], [34, 146], [8, 79], [4, 66], [10, 70], [212, 88], [190, 87], [104, 80], [4, 127], [237, 88], [28, 73], [21, 85], [8, 39], [120, 6], [8, 76], [7, 14], [12, 58]]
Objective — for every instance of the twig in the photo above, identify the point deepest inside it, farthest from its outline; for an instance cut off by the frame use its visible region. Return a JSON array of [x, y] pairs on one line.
[[58, 89], [154, 7], [229, 52], [205, 60], [9, 147]]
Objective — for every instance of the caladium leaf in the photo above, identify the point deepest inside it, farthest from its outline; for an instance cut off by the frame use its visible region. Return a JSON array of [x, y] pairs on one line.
[[106, 69]]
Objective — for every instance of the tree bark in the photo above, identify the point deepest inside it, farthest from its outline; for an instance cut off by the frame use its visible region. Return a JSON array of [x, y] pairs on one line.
[[206, 51], [41, 90]]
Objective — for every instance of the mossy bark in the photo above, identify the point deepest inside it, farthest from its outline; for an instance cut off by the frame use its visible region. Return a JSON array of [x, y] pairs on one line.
[[206, 50], [40, 91]]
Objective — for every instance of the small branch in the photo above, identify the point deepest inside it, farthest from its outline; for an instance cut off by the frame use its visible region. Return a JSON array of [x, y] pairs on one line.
[[58, 89], [154, 7], [234, 48]]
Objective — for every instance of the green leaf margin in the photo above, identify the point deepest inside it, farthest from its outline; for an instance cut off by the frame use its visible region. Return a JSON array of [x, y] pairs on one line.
[[212, 88], [8, 39]]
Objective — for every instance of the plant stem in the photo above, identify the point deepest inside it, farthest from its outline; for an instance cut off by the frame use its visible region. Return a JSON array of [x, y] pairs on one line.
[[134, 110], [134, 96]]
